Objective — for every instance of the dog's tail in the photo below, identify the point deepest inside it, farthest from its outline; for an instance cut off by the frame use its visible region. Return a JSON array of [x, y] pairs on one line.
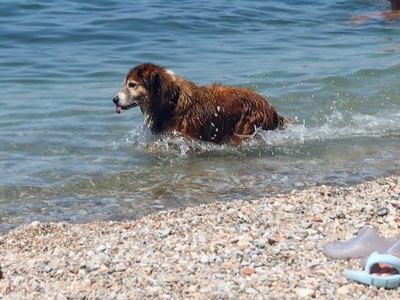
[[283, 121]]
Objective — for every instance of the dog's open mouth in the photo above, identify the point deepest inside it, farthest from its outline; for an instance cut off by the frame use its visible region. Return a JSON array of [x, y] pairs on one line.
[[119, 108]]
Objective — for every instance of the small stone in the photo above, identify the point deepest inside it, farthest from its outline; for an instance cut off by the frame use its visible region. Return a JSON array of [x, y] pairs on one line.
[[280, 238], [382, 212], [359, 225], [308, 225], [234, 240], [194, 289], [342, 290], [204, 259], [303, 292], [35, 223], [250, 291], [239, 253], [226, 265], [260, 244], [120, 268], [92, 267], [381, 181], [171, 279], [166, 232], [35, 285], [101, 248], [248, 271]]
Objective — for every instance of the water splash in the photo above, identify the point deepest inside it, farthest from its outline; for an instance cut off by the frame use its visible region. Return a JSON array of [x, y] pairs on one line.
[[336, 125]]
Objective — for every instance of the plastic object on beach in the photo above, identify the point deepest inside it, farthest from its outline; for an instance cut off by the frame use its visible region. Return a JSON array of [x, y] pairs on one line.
[[365, 243], [366, 276]]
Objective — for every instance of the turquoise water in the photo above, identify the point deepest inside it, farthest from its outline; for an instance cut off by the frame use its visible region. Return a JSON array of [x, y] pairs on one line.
[[65, 155]]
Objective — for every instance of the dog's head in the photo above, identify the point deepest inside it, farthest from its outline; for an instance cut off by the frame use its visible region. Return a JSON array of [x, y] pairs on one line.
[[149, 86]]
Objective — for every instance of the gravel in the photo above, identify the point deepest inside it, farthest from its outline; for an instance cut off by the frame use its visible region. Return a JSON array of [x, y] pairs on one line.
[[267, 248]]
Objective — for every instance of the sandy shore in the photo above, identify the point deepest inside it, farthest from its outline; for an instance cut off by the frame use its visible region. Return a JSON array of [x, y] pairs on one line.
[[265, 249]]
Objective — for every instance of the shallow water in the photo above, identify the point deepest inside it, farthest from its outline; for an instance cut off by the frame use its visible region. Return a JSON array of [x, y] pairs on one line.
[[65, 155]]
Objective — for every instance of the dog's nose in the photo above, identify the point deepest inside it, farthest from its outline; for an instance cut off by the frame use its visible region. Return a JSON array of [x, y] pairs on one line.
[[116, 99]]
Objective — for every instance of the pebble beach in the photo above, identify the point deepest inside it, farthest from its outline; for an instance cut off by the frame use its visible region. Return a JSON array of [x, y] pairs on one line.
[[263, 249]]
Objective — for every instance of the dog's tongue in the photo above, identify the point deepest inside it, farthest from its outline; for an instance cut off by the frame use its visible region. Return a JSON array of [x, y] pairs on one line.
[[118, 110]]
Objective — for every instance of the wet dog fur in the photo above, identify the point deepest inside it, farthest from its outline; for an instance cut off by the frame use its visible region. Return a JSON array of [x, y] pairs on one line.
[[212, 113]]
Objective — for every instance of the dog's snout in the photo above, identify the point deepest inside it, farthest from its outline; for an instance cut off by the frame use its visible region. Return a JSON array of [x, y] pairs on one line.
[[116, 99]]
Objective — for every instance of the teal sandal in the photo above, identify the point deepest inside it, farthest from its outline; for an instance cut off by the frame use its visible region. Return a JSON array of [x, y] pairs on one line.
[[365, 277]]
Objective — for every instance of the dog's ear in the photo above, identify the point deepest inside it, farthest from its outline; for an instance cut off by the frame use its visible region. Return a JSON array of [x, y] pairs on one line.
[[164, 88], [164, 98], [159, 83], [156, 84]]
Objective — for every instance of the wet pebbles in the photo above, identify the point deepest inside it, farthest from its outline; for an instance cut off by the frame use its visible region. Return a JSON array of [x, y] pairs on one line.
[[264, 249]]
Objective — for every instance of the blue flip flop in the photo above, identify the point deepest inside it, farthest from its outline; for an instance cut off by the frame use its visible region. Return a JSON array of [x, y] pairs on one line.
[[365, 277]]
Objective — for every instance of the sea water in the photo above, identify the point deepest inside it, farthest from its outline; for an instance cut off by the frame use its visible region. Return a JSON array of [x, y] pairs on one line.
[[332, 67]]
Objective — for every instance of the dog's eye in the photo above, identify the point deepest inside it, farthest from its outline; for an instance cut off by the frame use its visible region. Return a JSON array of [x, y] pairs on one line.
[[131, 84]]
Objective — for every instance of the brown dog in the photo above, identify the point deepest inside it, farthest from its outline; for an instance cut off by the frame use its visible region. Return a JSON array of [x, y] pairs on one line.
[[210, 113]]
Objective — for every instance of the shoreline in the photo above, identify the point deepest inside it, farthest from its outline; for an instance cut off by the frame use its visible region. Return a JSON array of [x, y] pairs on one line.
[[270, 247]]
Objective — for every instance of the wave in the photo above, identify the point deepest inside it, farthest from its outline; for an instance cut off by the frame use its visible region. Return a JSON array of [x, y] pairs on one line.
[[335, 126]]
